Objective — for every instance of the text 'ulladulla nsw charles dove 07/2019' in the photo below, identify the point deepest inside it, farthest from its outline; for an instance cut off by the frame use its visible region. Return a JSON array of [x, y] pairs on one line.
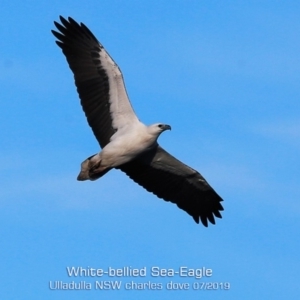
[[127, 144]]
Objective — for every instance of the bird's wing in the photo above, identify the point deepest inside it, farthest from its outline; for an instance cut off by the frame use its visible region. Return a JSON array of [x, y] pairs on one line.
[[168, 178], [98, 79]]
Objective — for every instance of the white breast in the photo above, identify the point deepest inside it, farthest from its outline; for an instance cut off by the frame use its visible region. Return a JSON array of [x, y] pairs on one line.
[[126, 144]]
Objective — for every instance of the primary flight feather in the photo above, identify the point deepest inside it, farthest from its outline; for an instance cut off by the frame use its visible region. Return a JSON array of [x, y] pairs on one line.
[[127, 144]]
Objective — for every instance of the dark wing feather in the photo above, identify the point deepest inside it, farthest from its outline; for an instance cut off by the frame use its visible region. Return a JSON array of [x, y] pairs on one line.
[[168, 178], [98, 79]]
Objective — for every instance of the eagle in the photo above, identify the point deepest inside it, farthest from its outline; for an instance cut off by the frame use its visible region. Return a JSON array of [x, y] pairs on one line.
[[128, 144]]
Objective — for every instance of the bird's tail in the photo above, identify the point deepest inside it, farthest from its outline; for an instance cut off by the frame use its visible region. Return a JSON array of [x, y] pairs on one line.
[[91, 169]]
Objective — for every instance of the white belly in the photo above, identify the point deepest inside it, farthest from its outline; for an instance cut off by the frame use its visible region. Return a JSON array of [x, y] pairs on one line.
[[124, 148]]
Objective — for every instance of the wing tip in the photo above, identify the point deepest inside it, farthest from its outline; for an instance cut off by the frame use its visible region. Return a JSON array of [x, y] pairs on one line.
[[71, 25], [208, 217]]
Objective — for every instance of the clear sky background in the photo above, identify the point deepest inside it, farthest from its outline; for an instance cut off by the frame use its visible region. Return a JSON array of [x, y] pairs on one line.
[[225, 75]]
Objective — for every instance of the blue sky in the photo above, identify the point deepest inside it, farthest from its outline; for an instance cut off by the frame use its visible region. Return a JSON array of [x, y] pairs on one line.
[[225, 76]]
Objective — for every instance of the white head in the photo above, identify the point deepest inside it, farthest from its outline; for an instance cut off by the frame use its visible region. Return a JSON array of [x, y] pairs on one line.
[[157, 128]]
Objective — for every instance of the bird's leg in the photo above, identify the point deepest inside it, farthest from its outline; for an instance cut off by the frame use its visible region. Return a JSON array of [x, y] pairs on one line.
[[96, 170], [95, 167], [91, 168], [91, 163]]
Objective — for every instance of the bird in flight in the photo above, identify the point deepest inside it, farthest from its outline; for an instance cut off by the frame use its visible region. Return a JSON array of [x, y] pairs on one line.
[[127, 144]]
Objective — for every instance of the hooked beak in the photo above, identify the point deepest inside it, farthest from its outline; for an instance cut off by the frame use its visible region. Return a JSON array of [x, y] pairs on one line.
[[167, 127]]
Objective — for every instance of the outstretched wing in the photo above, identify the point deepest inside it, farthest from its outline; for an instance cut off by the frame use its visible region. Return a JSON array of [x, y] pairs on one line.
[[168, 178], [98, 79]]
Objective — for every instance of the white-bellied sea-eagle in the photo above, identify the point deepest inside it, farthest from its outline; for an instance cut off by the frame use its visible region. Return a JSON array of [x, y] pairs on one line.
[[127, 144]]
